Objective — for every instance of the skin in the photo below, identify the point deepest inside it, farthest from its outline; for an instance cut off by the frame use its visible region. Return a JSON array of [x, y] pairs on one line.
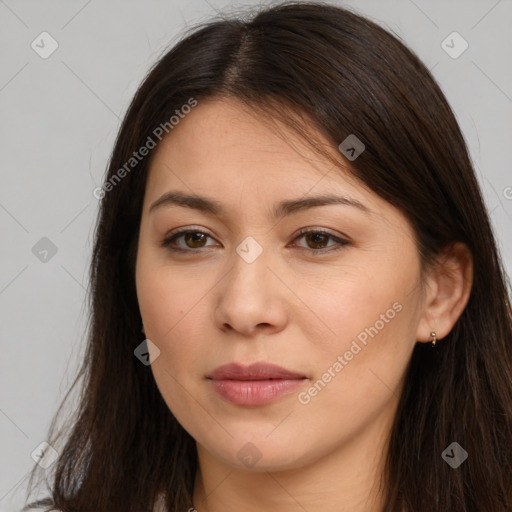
[[208, 307]]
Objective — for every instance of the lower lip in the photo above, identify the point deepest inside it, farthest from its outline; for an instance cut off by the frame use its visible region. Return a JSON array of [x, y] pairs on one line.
[[254, 392]]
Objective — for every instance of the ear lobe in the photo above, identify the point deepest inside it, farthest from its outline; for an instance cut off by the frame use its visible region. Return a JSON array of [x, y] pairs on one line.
[[448, 289]]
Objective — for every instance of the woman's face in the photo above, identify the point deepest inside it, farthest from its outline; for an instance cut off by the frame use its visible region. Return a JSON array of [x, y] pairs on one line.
[[340, 311]]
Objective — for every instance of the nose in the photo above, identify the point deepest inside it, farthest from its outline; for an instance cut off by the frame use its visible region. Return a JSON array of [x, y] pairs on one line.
[[250, 298]]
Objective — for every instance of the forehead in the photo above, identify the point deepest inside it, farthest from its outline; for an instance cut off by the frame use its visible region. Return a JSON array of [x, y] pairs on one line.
[[225, 150]]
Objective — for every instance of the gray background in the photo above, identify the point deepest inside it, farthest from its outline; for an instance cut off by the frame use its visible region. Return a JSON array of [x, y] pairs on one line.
[[58, 120]]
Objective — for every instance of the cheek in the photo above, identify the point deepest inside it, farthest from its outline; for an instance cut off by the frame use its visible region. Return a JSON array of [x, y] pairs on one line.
[[344, 306], [175, 313], [169, 296], [356, 382], [366, 336], [178, 318], [173, 306]]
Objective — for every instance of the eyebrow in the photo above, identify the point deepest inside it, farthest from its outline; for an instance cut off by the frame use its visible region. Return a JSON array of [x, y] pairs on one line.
[[282, 209]]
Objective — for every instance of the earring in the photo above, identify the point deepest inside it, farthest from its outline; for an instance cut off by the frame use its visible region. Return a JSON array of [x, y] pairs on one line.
[[433, 334]]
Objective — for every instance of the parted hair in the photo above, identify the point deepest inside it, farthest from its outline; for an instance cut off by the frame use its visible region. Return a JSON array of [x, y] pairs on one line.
[[343, 74]]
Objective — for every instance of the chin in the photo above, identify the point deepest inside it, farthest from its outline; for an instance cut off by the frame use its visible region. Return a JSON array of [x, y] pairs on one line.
[[260, 453]]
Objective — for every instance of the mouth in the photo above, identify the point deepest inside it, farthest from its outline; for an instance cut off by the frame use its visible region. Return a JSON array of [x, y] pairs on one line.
[[254, 385]]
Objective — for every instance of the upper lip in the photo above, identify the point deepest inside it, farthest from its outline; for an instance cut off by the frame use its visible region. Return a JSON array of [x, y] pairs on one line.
[[255, 371]]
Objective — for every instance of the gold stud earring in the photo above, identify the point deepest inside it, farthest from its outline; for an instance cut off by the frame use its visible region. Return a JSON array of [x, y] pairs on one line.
[[433, 334]]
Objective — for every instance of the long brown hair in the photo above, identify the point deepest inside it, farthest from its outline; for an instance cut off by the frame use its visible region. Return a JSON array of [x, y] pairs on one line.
[[346, 75]]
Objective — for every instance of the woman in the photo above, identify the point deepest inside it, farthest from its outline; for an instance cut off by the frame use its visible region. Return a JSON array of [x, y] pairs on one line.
[[291, 218]]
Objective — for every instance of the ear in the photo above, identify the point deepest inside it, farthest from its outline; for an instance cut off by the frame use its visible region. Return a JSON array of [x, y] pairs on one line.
[[447, 291]]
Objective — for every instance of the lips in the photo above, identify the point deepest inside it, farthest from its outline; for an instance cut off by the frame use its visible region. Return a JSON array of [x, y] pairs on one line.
[[254, 385], [255, 371]]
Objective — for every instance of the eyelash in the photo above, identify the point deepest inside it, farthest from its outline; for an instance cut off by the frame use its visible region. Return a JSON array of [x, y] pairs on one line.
[[340, 241]]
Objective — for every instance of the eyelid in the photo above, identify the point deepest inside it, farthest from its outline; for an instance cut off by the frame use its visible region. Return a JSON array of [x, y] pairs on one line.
[[325, 231], [184, 229]]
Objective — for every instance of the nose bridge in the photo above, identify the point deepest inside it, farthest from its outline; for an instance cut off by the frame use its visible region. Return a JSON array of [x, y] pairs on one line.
[[249, 294], [250, 261]]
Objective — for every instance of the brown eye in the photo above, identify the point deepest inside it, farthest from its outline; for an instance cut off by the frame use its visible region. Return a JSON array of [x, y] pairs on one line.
[[192, 240], [317, 240]]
